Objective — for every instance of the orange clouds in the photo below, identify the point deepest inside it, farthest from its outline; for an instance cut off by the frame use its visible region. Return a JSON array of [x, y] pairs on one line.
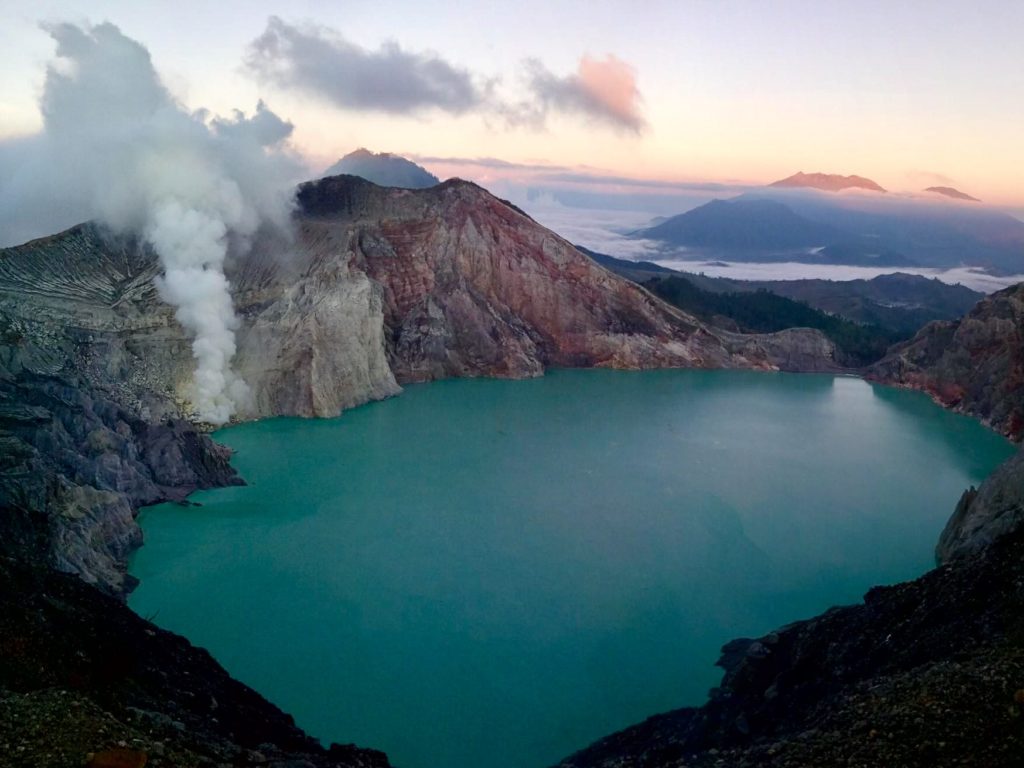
[[611, 84]]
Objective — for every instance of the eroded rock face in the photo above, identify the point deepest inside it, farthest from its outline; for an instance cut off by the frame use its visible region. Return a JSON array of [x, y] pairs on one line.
[[75, 467], [983, 515], [474, 287], [974, 365]]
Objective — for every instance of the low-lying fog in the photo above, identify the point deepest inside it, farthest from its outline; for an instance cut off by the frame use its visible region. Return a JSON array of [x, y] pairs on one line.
[[608, 232]]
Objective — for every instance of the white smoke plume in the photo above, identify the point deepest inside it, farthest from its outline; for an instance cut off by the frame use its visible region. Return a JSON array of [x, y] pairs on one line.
[[118, 147]]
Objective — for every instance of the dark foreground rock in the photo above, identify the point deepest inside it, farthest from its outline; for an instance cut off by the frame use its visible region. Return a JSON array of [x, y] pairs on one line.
[[926, 673], [82, 677]]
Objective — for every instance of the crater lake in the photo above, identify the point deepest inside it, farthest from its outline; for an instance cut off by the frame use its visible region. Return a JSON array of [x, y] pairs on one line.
[[492, 573]]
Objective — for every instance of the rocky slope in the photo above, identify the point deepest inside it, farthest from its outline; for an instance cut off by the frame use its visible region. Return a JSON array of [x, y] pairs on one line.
[[474, 287], [974, 365], [985, 514], [75, 466]]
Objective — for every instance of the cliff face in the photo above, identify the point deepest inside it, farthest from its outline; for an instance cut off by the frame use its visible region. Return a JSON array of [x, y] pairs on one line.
[[473, 287], [74, 468], [984, 515], [974, 365]]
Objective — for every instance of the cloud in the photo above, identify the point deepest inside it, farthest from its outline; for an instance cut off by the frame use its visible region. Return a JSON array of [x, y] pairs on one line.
[[601, 90], [487, 162], [589, 176], [320, 62], [117, 147]]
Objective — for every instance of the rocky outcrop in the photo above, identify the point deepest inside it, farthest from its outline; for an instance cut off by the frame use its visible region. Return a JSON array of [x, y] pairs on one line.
[[974, 365], [983, 515], [81, 675], [75, 467], [926, 673]]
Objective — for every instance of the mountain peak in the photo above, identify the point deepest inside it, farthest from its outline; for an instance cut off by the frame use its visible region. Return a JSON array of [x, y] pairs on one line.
[[383, 169], [828, 182], [953, 193]]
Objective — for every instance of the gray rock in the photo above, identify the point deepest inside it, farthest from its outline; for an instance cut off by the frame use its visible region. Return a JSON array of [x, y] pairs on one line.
[[985, 514]]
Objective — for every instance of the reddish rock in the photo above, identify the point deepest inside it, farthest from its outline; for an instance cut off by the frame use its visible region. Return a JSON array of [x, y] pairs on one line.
[[118, 758], [975, 364]]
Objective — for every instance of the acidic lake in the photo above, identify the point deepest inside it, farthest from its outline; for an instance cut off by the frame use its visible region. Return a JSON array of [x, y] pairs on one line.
[[492, 574]]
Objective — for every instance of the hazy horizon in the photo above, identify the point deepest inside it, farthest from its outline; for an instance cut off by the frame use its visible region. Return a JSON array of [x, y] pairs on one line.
[[599, 95]]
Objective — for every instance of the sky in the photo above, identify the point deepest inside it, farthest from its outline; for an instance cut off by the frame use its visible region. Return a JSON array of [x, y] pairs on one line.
[[678, 94]]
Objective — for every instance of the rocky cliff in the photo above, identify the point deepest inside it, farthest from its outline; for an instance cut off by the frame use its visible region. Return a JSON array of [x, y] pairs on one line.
[[985, 514], [974, 365]]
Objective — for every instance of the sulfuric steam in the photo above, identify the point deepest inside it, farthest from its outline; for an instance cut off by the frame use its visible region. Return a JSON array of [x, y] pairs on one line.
[[116, 146]]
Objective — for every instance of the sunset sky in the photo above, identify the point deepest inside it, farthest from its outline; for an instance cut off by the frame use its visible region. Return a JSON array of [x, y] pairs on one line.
[[911, 94]]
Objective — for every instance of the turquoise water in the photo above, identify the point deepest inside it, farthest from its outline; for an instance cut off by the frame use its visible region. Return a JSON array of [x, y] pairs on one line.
[[492, 574]]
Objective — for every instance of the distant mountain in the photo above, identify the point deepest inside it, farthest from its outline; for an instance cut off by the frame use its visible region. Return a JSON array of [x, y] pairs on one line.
[[743, 225], [925, 232], [956, 194], [827, 182], [383, 169]]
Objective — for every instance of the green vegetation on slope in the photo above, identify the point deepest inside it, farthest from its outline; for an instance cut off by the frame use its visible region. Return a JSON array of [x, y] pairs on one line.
[[764, 312]]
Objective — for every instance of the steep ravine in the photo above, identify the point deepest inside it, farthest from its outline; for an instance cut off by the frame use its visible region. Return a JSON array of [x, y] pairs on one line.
[[379, 287]]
